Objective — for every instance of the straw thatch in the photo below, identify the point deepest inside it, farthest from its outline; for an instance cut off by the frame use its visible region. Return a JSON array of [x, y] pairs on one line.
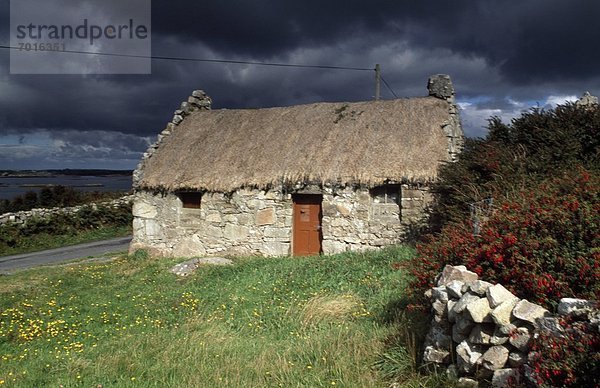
[[343, 143]]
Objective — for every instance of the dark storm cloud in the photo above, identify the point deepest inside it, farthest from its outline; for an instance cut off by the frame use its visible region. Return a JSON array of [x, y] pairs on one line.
[[502, 55], [528, 40]]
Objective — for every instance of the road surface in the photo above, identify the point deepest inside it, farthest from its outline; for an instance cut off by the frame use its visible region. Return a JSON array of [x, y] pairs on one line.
[[59, 255]]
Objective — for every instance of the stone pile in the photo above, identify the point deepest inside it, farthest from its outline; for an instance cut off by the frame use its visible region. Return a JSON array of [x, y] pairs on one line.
[[485, 328], [188, 267], [21, 217], [199, 100]]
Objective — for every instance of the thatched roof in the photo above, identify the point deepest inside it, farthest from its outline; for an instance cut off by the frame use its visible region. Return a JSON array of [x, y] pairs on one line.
[[344, 143]]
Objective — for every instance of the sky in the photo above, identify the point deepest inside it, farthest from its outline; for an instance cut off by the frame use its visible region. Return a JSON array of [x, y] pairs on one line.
[[504, 57]]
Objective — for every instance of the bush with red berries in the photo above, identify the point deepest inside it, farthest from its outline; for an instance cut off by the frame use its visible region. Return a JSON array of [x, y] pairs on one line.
[[569, 359], [543, 244], [540, 237]]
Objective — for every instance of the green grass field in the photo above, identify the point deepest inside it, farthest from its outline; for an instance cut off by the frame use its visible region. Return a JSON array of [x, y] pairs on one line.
[[43, 241], [286, 322]]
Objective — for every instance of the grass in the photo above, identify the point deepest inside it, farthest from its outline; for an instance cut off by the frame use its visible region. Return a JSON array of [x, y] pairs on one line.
[[42, 241], [290, 322]]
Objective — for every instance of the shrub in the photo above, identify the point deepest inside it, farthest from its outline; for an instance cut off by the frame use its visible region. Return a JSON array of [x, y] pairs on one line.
[[56, 196], [537, 145], [542, 244], [570, 360], [89, 218]]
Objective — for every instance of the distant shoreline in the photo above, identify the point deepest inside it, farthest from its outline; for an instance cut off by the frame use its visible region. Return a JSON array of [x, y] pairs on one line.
[[64, 172], [35, 185]]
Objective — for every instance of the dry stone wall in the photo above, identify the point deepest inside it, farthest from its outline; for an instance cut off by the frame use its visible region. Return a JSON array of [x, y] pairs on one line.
[[22, 217], [258, 222], [483, 331]]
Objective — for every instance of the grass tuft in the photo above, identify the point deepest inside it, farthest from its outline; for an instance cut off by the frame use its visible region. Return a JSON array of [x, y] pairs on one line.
[[330, 308]]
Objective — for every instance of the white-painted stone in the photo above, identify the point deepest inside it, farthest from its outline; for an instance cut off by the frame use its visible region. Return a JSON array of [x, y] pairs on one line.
[[247, 219]]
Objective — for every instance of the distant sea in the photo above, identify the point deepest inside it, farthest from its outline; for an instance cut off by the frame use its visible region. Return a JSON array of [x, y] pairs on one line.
[[11, 187]]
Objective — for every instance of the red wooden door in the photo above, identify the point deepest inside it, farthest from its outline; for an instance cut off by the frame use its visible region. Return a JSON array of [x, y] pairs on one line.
[[307, 225]]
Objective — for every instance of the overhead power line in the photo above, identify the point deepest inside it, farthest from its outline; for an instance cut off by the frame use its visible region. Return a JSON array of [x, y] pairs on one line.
[[208, 60], [389, 87], [213, 60]]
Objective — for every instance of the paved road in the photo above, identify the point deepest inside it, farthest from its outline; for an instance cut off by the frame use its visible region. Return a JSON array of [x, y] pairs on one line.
[[59, 255]]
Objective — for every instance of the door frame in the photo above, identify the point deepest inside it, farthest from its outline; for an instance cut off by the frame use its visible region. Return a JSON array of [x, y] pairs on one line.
[[311, 199]]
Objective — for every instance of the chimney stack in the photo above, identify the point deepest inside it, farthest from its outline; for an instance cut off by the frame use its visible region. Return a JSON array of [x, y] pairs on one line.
[[440, 86]]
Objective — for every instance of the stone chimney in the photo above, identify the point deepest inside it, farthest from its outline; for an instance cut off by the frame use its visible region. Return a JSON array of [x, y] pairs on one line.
[[440, 86], [587, 101]]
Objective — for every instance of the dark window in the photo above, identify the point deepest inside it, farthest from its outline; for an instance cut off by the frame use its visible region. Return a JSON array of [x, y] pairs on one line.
[[386, 203], [190, 199], [386, 194]]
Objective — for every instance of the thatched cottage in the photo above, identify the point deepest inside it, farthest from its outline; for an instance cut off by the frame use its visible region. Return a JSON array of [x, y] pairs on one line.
[[298, 180]]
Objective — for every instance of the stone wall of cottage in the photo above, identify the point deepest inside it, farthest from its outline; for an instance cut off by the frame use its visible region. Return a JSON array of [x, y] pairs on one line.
[[257, 222]]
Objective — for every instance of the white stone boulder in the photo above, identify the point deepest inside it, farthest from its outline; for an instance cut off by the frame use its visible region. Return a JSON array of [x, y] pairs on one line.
[[468, 356], [479, 310], [495, 357], [528, 311], [507, 377], [481, 334], [569, 305], [520, 339], [464, 300], [502, 314], [454, 289], [479, 287], [498, 294], [458, 272]]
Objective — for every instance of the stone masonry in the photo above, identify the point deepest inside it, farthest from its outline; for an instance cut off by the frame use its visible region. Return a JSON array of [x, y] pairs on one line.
[[258, 222], [440, 86], [481, 331]]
